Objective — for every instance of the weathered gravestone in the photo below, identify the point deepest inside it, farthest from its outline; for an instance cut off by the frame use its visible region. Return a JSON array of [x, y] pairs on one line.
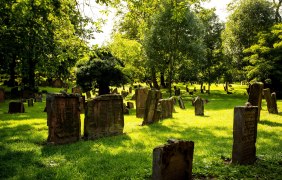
[[30, 102], [270, 104], [16, 107], [2, 94], [177, 92], [151, 113], [58, 83], [166, 107], [199, 106], [37, 97], [255, 96], [76, 90], [130, 105], [181, 103], [63, 118], [274, 103], [141, 97], [244, 134], [173, 161], [104, 116]]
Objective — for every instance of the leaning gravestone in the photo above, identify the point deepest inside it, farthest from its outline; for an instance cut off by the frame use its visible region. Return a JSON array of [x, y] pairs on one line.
[[274, 103], [150, 113], [173, 161], [255, 96], [199, 106], [16, 107], [104, 116], [244, 134], [63, 118], [167, 107], [269, 103], [181, 103], [2, 94], [141, 97]]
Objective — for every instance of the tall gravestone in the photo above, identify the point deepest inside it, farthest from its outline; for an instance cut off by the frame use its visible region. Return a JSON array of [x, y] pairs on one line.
[[173, 161], [244, 134], [199, 106], [104, 116], [167, 107], [2, 94], [63, 118], [255, 95], [267, 96], [141, 97], [274, 103], [151, 113]]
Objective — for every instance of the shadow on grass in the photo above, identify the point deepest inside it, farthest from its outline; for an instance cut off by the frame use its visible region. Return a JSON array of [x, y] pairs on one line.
[[269, 123]]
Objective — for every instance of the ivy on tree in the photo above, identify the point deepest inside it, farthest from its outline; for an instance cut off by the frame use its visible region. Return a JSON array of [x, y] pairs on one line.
[[102, 70]]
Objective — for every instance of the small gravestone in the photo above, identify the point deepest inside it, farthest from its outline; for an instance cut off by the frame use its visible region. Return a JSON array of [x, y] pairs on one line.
[[173, 161], [76, 90], [151, 107], [181, 103], [104, 116], [130, 90], [130, 105], [199, 106], [274, 103], [2, 94], [166, 107], [88, 95], [141, 95], [125, 109], [244, 134], [16, 107], [63, 118], [267, 96], [255, 96], [30, 102], [177, 92]]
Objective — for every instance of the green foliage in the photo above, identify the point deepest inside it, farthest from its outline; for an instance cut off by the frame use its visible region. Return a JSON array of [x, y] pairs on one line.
[[25, 155], [102, 71]]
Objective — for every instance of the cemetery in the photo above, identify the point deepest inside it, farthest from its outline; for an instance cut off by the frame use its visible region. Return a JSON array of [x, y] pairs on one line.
[[178, 90], [226, 138]]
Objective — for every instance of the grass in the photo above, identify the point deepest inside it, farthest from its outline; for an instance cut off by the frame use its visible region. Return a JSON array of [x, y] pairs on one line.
[[25, 155]]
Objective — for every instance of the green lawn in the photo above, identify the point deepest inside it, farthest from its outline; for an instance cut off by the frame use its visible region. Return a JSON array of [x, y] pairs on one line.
[[25, 155]]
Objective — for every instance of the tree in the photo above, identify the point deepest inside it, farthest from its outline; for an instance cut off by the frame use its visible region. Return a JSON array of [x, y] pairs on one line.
[[102, 70], [265, 57], [248, 17], [175, 34]]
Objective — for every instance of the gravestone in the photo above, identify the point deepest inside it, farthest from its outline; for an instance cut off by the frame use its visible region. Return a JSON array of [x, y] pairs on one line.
[[16, 107], [124, 93], [199, 106], [104, 116], [173, 161], [37, 97], [166, 107], [181, 103], [2, 94], [151, 114], [125, 109], [267, 96], [244, 134], [130, 90], [141, 97], [177, 92], [63, 118], [255, 96], [76, 90], [274, 103], [30, 102], [130, 105], [57, 83], [187, 89], [88, 95]]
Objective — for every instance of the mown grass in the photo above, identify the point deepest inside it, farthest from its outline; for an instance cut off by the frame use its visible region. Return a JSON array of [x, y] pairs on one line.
[[24, 153]]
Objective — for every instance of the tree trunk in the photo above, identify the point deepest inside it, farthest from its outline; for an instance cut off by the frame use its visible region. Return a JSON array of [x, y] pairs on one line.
[[154, 79], [163, 80], [31, 74], [12, 72]]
